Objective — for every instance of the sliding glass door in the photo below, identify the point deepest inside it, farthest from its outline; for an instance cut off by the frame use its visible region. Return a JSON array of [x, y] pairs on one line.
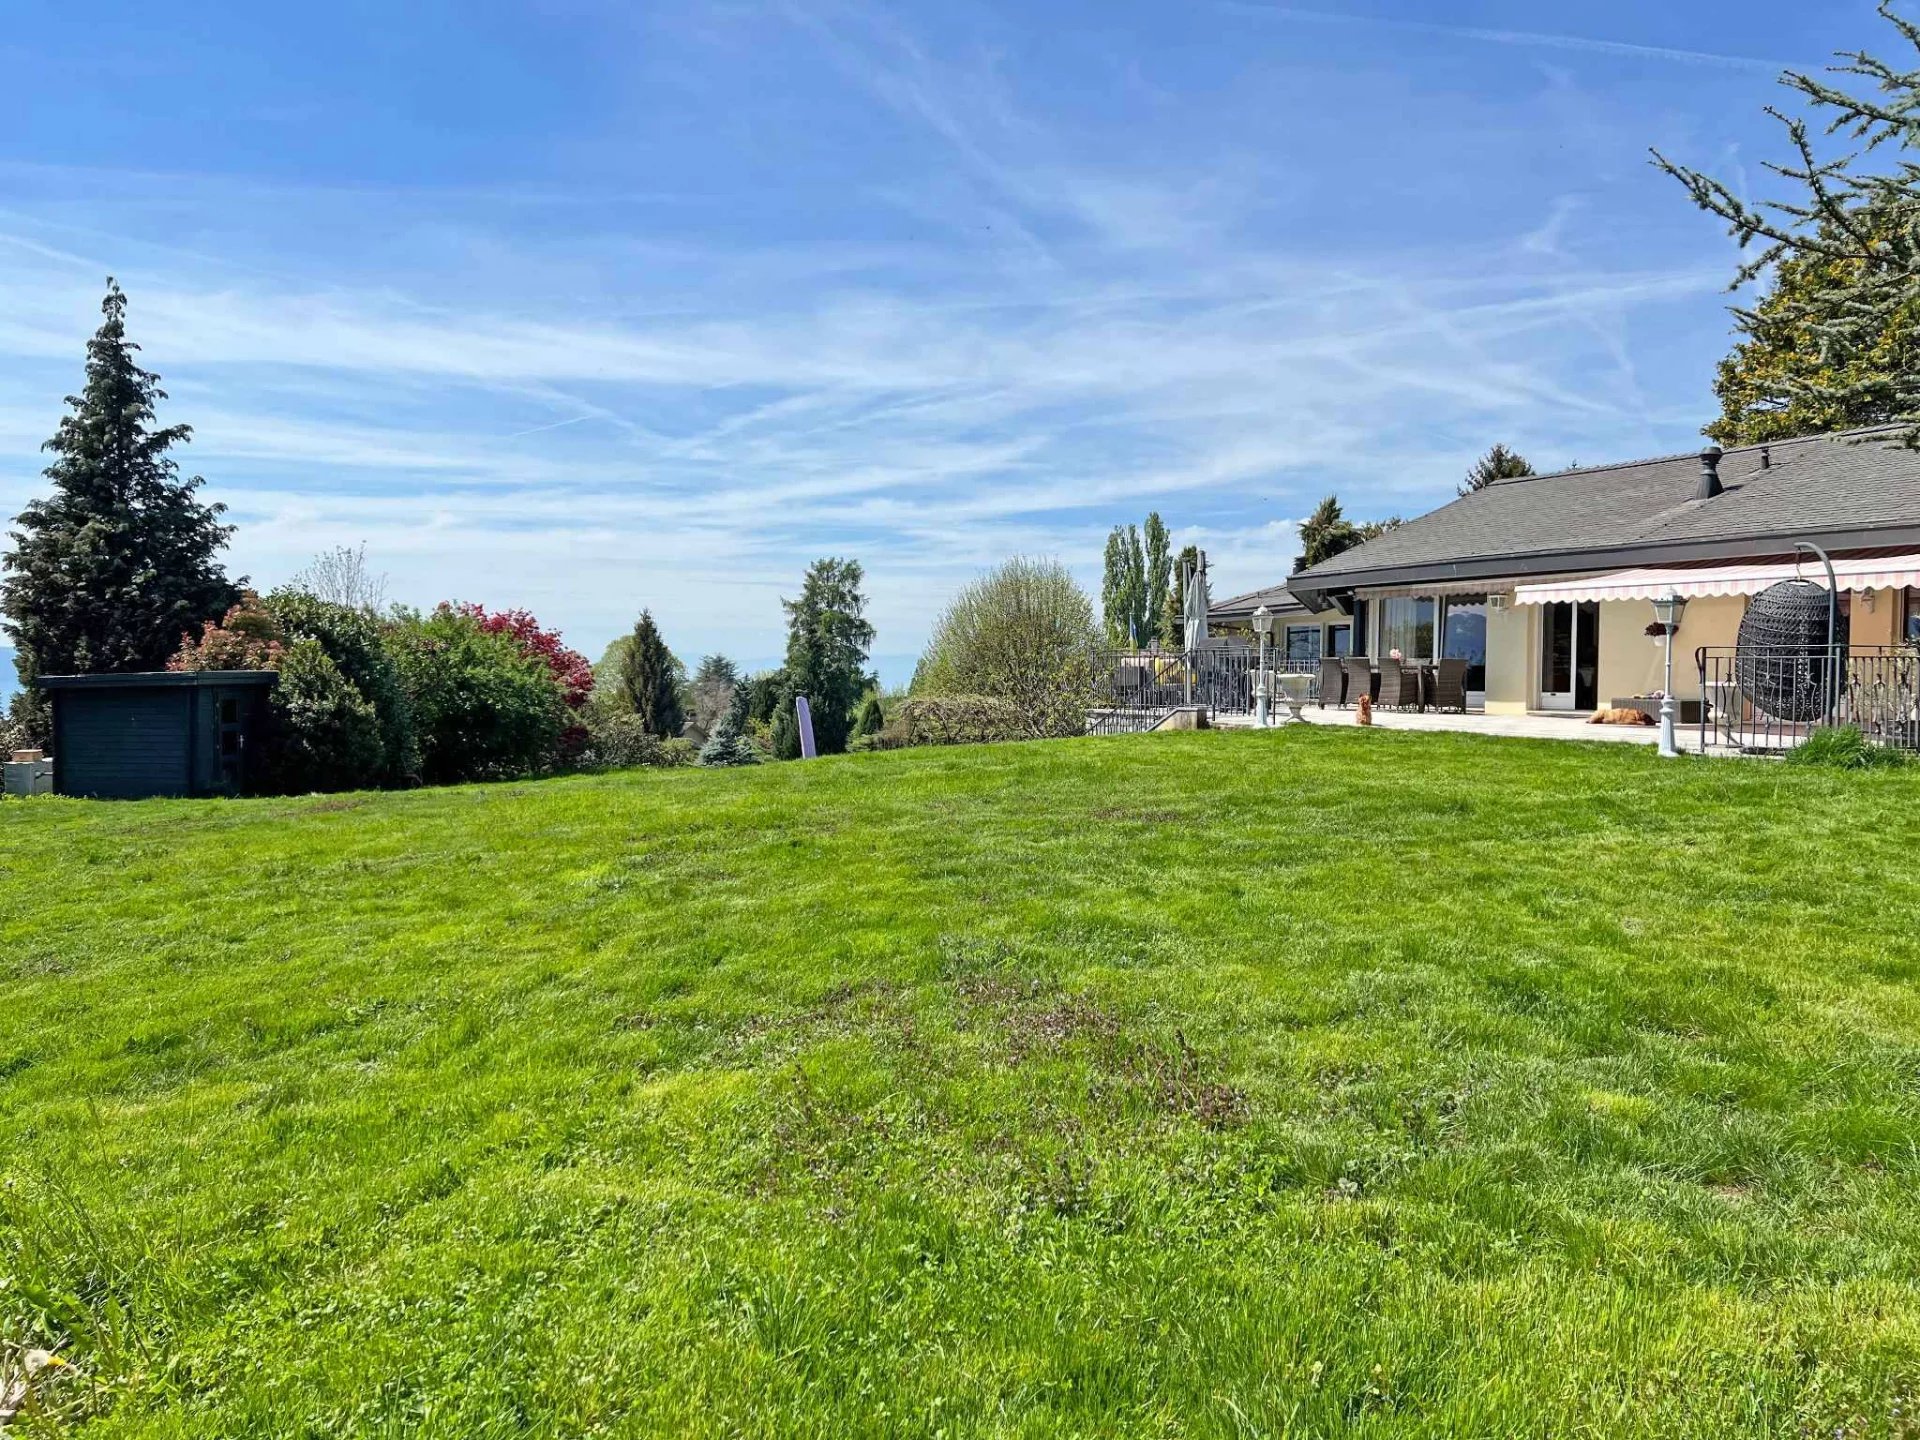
[[1569, 655]]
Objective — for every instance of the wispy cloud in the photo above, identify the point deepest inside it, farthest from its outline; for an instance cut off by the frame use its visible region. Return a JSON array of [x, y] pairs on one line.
[[1530, 39], [565, 413]]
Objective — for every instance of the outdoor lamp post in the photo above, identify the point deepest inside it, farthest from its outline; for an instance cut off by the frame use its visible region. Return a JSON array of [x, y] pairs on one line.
[[1668, 610], [1263, 627]]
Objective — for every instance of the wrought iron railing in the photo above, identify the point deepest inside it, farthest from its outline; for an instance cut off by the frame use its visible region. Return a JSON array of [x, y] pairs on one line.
[[1769, 698]]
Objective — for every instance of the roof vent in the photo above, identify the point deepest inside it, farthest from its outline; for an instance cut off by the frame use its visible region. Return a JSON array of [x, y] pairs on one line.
[[1766, 457], [1709, 485]]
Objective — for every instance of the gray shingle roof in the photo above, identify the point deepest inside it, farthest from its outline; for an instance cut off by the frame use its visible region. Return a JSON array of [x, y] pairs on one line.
[[1276, 598], [1818, 485]]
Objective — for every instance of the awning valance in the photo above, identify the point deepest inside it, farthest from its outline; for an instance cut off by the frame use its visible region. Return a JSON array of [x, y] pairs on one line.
[[1852, 572]]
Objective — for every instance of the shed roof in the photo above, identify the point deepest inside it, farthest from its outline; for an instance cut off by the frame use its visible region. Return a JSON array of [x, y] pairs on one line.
[[155, 679]]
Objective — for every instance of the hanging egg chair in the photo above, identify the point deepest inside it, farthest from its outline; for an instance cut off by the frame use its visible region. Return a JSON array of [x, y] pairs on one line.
[[1783, 664]]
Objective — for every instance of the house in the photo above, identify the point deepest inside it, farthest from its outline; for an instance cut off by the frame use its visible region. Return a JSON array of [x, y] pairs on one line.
[[131, 736], [1544, 584], [1300, 636]]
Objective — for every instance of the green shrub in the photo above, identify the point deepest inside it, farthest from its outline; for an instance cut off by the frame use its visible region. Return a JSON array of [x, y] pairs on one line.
[[953, 720], [1843, 747], [623, 742], [870, 719], [786, 734], [324, 735], [483, 708], [1025, 634], [353, 640]]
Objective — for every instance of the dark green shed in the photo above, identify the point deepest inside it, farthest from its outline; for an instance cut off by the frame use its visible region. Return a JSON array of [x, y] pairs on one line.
[[128, 737]]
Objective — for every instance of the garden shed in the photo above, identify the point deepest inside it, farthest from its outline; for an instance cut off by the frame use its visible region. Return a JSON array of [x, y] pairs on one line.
[[128, 737]]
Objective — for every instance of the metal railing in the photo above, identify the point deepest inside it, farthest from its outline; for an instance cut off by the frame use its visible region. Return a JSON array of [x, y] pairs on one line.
[[1138, 689], [1769, 698]]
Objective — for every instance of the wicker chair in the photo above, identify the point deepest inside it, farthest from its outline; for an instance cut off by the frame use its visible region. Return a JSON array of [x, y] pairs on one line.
[[1333, 682], [1450, 686], [1359, 678], [1399, 685]]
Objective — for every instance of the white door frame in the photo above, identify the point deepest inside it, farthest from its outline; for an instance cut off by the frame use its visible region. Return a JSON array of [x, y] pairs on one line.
[[1557, 699]]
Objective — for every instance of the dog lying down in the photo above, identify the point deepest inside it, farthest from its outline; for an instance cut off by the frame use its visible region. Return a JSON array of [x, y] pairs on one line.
[[1625, 715]]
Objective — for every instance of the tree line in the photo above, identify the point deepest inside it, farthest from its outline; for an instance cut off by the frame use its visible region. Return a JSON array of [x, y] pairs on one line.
[[117, 569]]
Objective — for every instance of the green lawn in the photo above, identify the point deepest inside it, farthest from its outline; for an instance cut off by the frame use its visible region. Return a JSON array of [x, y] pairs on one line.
[[1318, 1082]]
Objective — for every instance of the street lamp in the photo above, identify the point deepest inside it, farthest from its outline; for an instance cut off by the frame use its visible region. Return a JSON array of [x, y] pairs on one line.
[[1668, 610], [1263, 627]]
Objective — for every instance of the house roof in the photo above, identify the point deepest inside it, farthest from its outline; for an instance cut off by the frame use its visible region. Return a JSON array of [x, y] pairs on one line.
[[1862, 487], [1235, 608]]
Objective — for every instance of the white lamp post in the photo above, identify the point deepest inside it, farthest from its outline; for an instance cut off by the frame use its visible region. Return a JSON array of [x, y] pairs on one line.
[[1263, 627], [1668, 610]]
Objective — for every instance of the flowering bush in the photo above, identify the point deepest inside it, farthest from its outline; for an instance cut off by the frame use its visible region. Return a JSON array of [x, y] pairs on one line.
[[572, 672], [483, 708], [247, 638]]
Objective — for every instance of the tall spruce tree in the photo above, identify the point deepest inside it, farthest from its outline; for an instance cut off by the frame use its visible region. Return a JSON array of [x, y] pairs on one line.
[[1499, 463], [120, 562], [828, 638], [649, 681], [1834, 343]]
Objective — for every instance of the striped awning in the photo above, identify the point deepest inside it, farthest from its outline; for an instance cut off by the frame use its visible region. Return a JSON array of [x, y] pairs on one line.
[[1880, 571]]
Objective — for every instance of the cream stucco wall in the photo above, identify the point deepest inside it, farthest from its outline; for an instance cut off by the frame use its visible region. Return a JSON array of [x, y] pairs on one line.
[[1633, 663], [1879, 625], [1510, 659]]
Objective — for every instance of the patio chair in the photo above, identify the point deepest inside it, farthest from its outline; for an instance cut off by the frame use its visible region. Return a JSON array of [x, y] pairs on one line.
[[1359, 678], [1450, 686], [1399, 685], [1333, 683]]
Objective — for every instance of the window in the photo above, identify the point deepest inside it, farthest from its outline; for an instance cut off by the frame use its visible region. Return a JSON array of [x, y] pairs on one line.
[[1303, 645], [229, 711], [1406, 625], [1911, 626], [1339, 640], [1463, 636]]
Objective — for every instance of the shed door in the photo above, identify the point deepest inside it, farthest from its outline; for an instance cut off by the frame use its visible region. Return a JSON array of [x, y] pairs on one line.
[[230, 739]]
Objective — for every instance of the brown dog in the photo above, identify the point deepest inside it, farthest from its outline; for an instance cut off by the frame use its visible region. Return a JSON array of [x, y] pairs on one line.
[[1625, 715], [1363, 711]]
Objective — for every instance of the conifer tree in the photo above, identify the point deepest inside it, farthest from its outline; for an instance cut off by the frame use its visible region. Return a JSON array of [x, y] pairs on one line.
[[1835, 341], [120, 562], [1499, 463], [828, 638], [648, 680], [728, 744]]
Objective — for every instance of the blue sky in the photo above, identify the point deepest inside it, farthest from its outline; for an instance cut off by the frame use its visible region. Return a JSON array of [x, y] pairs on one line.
[[587, 306]]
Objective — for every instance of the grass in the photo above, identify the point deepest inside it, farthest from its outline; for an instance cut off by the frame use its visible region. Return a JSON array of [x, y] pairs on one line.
[[1320, 1082]]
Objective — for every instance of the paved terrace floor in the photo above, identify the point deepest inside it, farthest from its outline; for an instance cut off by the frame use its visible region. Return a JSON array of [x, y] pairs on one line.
[[1534, 727]]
